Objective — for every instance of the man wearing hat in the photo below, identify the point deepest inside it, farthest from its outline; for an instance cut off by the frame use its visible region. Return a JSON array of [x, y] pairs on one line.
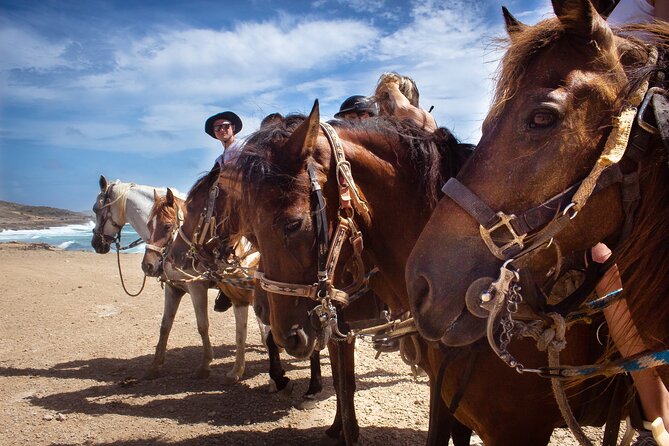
[[357, 107], [224, 126]]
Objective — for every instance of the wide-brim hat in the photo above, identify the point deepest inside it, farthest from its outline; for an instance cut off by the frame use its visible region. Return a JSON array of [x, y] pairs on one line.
[[230, 116]]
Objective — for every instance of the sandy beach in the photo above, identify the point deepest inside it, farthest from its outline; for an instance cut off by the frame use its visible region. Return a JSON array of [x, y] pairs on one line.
[[74, 346]]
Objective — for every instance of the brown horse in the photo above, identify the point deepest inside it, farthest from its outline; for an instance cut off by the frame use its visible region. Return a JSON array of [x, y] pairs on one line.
[[397, 170], [186, 259], [562, 82]]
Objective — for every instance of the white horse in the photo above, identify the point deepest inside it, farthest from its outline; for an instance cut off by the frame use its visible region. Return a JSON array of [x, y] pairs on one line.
[[119, 203]]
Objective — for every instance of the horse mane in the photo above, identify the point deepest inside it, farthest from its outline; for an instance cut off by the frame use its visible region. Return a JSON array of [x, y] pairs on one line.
[[205, 181], [527, 42], [642, 258], [433, 156]]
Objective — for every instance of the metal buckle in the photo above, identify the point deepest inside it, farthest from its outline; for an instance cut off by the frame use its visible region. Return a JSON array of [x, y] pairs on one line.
[[504, 221], [642, 110]]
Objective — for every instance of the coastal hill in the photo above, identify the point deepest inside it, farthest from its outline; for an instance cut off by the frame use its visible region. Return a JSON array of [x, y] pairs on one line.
[[20, 216]]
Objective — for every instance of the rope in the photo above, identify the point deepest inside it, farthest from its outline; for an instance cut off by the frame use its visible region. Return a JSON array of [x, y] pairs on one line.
[[120, 273], [555, 339]]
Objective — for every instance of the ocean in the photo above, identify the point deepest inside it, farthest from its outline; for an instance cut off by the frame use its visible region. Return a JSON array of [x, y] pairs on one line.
[[69, 238]]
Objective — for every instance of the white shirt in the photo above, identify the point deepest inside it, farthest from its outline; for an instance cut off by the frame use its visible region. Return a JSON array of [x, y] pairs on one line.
[[230, 153], [631, 11]]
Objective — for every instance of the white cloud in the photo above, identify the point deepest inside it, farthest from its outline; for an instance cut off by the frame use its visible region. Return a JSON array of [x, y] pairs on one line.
[[22, 49]]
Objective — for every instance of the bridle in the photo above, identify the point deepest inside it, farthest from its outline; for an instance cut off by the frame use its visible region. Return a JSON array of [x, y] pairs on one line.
[[176, 227], [116, 238], [323, 289], [536, 229], [108, 217]]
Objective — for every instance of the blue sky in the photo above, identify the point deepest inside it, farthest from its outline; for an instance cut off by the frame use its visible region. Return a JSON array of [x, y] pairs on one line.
[[122, 88]]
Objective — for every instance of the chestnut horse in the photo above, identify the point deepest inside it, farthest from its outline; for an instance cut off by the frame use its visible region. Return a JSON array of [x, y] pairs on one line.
[[520, 202], [398, 176], [165, 220], [185, 260]]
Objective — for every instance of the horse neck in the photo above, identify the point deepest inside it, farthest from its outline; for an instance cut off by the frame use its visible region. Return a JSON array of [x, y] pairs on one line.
[[138, 204], [399, 210]]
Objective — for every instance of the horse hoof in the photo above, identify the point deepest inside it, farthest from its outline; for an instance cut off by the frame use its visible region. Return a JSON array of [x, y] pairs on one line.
[[202, 374], [307, 404], [230, 379], [286, 391]]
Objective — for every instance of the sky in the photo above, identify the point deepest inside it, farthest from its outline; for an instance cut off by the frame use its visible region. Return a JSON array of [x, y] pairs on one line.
[[122, 88]]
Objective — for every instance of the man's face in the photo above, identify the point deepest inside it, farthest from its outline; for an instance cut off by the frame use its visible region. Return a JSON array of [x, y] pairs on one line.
[[224, 130], [356, 115]]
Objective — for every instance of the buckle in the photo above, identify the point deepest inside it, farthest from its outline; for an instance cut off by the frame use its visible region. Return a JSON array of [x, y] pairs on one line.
[[504, 221], [642, 110]]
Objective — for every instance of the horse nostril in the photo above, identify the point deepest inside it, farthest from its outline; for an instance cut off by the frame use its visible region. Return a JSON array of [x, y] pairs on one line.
[[297, 339], [420, 293]]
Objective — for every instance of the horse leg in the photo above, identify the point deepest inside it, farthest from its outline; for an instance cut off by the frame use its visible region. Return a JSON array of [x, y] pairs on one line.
[[316, 381], [241, 329], [173, 297], [345, 426], [277, 378], [199, 297]]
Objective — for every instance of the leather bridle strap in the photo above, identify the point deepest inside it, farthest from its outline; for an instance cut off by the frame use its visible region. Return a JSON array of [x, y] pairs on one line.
[[175, 232], [522, 226], [350, 200]]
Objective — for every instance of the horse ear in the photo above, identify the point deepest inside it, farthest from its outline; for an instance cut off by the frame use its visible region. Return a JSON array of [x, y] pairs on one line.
[[156, 197], [513, 25], [580, 18], [103, 183], [301, 143], [169, 197]]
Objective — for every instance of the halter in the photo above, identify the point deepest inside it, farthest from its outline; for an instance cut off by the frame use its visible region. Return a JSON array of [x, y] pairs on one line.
[[108, 216], [536, 228], [323, 290], [162, 250]]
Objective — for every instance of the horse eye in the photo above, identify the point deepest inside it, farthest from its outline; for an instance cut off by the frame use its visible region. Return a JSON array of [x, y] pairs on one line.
[[167, 226], [292, 226], [542, 119]]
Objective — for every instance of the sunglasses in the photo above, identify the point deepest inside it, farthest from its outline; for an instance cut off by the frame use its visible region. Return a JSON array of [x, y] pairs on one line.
[[218, 128]]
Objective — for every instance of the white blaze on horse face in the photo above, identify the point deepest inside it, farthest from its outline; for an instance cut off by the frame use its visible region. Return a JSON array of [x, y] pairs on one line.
[[153, 226]]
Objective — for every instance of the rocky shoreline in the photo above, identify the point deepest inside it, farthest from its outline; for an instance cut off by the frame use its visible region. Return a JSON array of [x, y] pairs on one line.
[[17, 216]]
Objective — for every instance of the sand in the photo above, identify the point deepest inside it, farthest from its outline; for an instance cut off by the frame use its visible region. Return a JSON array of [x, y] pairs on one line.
[[73, 347]]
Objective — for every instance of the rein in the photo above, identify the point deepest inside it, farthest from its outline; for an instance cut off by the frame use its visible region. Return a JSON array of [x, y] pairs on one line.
[[116, 239]]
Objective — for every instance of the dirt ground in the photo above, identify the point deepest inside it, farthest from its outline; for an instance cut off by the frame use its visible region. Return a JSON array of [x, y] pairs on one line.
[[73, 347]]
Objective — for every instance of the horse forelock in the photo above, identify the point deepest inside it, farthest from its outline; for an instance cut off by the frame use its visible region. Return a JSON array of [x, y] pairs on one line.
[[164, 211]]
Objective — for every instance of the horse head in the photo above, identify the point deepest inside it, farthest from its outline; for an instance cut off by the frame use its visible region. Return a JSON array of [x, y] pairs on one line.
[[561, 84], [277, 208], [165, 219], [107, 224]]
